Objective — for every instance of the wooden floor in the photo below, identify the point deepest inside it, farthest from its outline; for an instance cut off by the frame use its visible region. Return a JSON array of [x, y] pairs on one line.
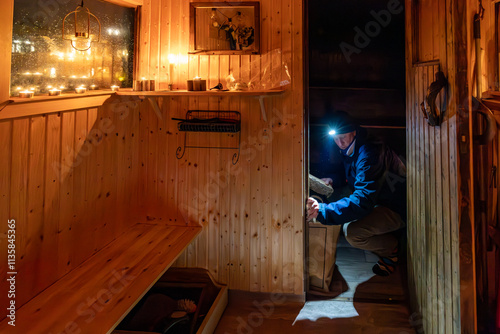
[[371, 304]]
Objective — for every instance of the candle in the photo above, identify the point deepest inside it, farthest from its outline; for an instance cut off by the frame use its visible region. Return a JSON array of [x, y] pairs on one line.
[[54, 92], [137, 85], [80, 90], [152, 85], [197, 83], [115, 88], [26, 94], [93, 87], [171, 72]]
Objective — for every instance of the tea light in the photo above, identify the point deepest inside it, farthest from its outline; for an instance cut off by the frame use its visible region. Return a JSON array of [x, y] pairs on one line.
[[80, 90], [26, 94], [54, 92], [115, 88], [93, 87]]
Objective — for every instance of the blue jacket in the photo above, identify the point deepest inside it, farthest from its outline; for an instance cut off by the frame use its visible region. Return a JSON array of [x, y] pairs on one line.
[[376, 176]]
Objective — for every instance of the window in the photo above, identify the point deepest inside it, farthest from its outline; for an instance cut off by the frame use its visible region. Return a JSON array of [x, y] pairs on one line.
[[42, 60]]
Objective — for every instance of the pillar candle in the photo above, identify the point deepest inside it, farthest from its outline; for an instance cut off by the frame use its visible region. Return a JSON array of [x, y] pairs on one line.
[[171, 72], [197, 84]]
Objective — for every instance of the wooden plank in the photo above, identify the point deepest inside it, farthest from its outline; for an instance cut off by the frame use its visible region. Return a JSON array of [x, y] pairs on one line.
[[93, 178], [52, 105], [166, 7], [154, 40], [145, 47], [205, 201], [427, 300], [35, 190], [213, 316], [19, 201], [66, 185], [299, 140], [5, 182], [127, 3], [6, 16], [80, 233], [50, 233], [243, 180], [439, 251], [108, 285]]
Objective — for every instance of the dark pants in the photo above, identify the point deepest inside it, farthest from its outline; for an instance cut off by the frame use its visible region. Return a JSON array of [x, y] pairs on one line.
[[374, 232]]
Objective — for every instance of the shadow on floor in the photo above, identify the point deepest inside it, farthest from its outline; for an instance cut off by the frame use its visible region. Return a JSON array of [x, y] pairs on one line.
[[366, 304]]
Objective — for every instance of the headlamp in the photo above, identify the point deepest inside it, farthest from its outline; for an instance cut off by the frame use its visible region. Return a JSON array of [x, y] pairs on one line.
[[332, 132]]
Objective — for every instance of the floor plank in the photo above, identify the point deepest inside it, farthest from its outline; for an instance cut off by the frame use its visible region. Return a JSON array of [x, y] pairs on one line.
[[371, 304]]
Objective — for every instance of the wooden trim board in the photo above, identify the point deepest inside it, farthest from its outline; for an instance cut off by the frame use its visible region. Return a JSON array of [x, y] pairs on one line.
[[97, 295], [17, 108]]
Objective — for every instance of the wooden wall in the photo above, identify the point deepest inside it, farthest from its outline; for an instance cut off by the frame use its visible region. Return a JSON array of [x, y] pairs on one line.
[[68, 180], [119, 166], [441, 264], [252, 212]]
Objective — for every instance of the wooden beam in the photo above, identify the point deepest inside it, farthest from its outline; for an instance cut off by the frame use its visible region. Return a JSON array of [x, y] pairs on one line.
[[6, 17], [126, 3], [468, 309], [18, 108]]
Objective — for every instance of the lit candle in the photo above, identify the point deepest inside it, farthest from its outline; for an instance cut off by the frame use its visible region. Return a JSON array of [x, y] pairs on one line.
[[93, 87], [115, 88], [80, 90], [54, 92], [26, 94], [197, 83], [171, 71]]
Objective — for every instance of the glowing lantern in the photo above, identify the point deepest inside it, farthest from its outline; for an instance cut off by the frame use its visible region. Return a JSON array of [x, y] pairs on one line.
[[82, 38]]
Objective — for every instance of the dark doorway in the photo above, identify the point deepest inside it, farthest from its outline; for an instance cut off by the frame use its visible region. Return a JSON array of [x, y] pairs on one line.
[[356, 63]]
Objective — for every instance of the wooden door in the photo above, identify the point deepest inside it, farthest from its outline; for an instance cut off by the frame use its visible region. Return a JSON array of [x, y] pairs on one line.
[[440, 214]]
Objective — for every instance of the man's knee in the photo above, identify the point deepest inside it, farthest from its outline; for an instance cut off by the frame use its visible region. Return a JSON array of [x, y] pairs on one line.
[[353, 236]]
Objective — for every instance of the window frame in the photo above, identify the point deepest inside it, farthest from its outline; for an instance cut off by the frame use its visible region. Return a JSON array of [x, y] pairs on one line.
[[11, 105]]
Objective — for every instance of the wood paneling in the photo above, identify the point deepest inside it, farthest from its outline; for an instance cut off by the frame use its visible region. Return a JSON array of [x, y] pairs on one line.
[[440, 214], [76, 180], [68, 180], [252, 212]]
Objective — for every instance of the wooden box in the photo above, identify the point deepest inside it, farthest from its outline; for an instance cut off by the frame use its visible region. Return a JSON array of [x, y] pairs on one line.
[[195, 284]]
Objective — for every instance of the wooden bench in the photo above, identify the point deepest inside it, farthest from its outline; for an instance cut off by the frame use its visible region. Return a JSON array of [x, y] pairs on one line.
[[97, 295]]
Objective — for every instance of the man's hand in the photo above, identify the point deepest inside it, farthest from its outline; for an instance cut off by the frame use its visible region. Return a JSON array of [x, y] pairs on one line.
[[328, 181], [312, 209]]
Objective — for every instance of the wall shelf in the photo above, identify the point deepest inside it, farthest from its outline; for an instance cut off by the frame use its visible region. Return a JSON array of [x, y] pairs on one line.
[[17, 107], [151, 96]]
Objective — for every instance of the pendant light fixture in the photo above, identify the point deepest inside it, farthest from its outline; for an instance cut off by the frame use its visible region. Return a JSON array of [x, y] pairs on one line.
[[82, 37]]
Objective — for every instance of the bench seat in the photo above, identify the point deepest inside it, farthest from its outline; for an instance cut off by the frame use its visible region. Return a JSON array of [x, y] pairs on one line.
[[98, 294]]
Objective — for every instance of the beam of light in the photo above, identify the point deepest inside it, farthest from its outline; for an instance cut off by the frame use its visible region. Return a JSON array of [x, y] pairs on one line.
[[332, 132], [341, 306]]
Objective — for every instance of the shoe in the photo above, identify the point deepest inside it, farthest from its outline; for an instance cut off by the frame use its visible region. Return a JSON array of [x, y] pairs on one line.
[[386, 265]]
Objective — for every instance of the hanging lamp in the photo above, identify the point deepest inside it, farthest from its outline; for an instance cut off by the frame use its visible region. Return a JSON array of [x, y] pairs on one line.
[[82, 38]]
